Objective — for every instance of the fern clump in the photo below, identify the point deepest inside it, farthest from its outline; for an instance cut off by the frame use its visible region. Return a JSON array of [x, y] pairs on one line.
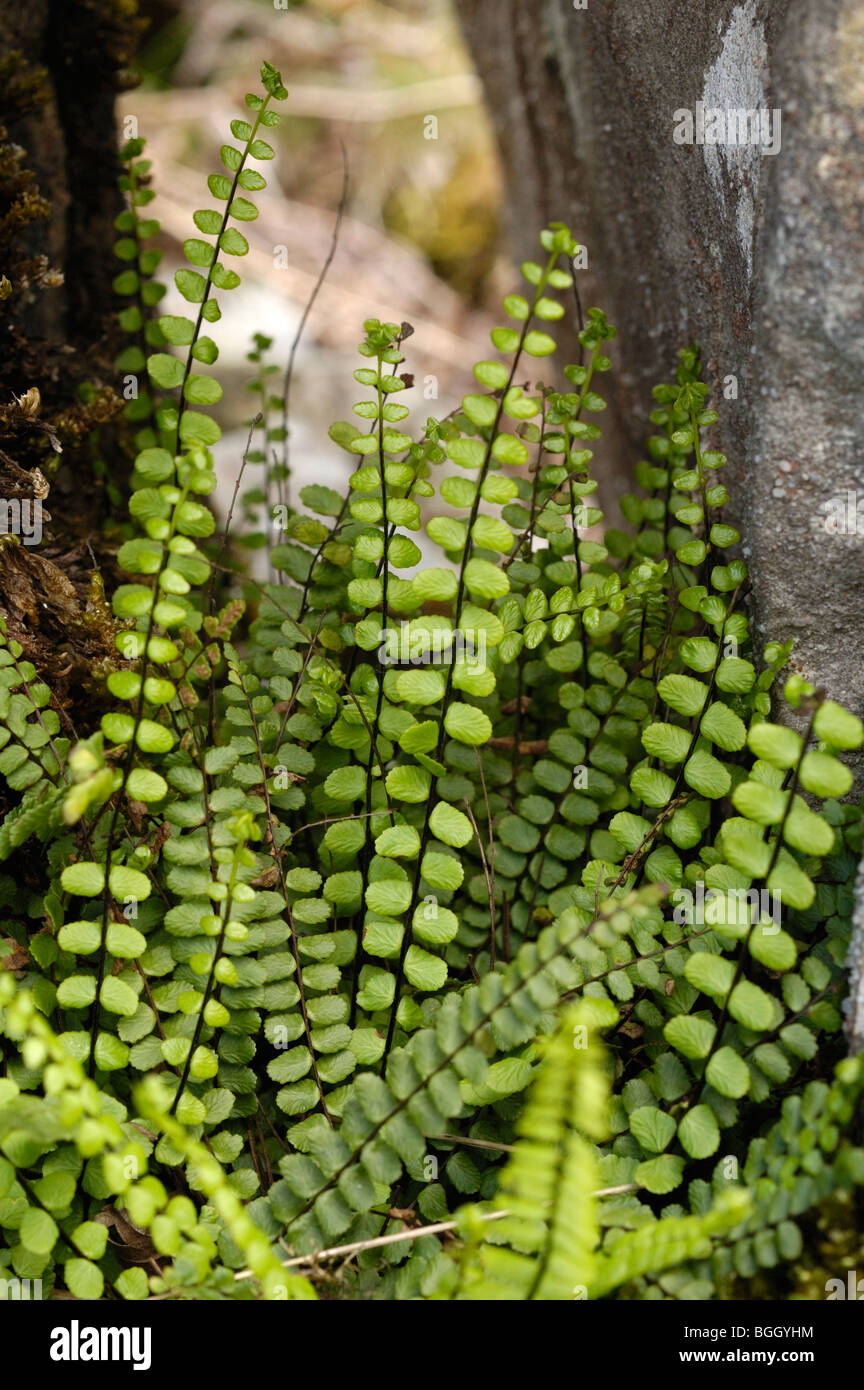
[[480, 920]]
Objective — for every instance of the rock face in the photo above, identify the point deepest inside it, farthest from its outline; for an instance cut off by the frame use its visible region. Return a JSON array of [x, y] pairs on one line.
[[743, 234]]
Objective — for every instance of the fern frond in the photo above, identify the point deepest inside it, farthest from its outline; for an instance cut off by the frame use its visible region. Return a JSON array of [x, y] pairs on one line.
[[547, 1186]]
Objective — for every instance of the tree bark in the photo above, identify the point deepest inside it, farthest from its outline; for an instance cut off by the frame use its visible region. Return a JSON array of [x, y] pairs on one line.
[[756, 256], [61, 64]]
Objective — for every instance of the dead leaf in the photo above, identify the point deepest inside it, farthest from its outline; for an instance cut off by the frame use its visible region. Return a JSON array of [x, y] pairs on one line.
[[16, 958], [133, 1246]]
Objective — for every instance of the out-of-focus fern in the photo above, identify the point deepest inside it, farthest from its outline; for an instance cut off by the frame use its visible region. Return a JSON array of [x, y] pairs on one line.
[[546, 1244], [137, 282], [262, 512], [545, 1247]]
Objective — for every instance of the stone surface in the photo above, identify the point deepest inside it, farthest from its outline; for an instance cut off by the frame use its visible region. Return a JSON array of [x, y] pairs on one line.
[[756, 255]]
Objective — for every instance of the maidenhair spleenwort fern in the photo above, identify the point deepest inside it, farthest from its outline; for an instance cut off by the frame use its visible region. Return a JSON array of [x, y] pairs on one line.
[[390, 898]]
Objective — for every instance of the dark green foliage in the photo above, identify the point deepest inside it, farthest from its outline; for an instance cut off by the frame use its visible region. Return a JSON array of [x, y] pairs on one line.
[[314, 895]]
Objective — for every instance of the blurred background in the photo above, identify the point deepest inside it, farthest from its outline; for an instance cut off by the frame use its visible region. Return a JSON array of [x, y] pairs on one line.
[[391, 85]]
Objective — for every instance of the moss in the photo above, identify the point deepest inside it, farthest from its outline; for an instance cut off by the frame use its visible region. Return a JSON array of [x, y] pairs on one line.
[[74, 426], [456, 226], [837, 1247], [25, 88]]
